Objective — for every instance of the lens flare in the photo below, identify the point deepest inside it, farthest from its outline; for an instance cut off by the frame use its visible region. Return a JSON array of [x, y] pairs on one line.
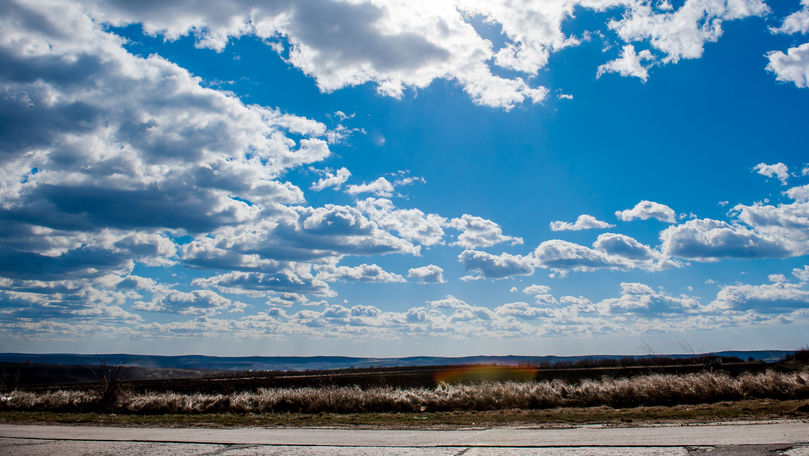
[[485, 373]]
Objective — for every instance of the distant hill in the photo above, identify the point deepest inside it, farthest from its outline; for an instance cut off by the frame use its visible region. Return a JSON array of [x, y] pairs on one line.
[[299, 363]]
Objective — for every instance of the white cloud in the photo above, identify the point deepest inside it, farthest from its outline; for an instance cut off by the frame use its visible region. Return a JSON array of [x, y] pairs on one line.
[[541, 294], [197, 302], [629, 64], [801, 273], [379, 187], [797, 22], [537, 289], [778, 170], [287, 299], [682, 33], [400, 45], [285, 281], [792, 66], [640, 299], [402, 178], [779, 297], [136, 143], [777, 278], [787, 223], [411, 224], [583, 222], [800, 194], [610, 251], [563, 255], [330, 180], [646, 210], [427, 274], [487, 266], [708, 240], [479, 232], [361, 273], [623, 246]]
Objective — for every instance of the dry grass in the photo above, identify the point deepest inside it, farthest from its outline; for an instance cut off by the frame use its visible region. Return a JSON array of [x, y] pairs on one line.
[[757, 409], [651, 390]]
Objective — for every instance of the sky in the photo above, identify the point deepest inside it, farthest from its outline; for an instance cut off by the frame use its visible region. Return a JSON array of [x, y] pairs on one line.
[[398, 178]]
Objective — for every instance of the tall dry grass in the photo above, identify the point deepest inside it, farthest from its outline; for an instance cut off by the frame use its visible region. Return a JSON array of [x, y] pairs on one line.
[[626, 392]]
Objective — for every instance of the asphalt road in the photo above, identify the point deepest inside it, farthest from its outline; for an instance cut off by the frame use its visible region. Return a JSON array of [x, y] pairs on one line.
[[784, 437]]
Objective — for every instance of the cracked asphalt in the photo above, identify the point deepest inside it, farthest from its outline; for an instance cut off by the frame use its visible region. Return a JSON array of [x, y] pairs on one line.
[[789, 438]]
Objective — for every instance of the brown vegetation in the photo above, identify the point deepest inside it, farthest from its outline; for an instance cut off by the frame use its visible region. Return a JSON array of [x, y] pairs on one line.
[[646, 390]]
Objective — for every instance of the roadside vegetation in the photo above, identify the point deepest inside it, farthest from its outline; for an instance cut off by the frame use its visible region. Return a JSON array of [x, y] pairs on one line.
[[644, 390]]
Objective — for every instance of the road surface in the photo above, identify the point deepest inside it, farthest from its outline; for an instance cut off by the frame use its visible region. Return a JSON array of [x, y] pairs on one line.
[[783, 437]]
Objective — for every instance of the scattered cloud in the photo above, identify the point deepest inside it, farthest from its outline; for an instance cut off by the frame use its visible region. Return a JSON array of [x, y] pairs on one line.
[[710, 240], [411, 224], [394, 49], [791, 67], [629, 64], [786, 224], [646, 210], [778, 297], [563, 255], [330, 180], [797, 22], [682, 33], [479, 232], [583, 222], [197, 302], [379, 187], [487, 266], [778, 170], [427, 274], [361, 273]]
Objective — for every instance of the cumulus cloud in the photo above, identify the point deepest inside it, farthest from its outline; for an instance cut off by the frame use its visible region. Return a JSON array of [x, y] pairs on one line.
[[646, 210], [609, 251], [396, 45], [628, 64], [285, 281], [379, 187], [583, 222], [197, 302], [801, 273], [118, 148], [786, 224], [778, 297], [708, 240], [479, 232], [563, 255], [640, 299], [800, 193], [330, 180], [541, 293], [287, 299], [298, 234], [411, 224], [778, 170], [682, 33], [791, 67], [487, 266], [361, 273], [427, 274], [623, 246], [112, 161], [797, 22]]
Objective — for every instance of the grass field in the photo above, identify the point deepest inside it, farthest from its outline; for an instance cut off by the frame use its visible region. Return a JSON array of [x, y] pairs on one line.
[[644, 390], [754, 410]]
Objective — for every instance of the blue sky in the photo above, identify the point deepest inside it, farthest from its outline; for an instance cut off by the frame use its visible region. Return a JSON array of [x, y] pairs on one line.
[[400, 178]]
